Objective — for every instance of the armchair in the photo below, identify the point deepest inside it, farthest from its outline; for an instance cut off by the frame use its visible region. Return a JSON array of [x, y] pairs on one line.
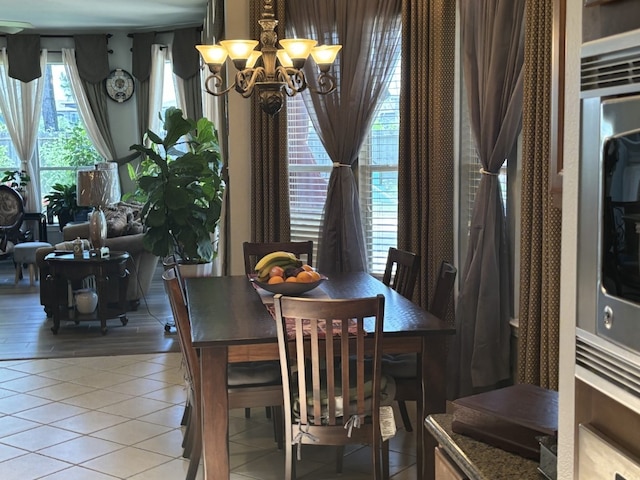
[[141, 266]]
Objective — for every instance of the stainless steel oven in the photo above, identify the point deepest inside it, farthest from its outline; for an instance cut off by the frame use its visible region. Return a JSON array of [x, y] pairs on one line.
[[608, 333]]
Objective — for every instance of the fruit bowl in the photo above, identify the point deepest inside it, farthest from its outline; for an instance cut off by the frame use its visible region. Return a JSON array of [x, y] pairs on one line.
[[291, 289]]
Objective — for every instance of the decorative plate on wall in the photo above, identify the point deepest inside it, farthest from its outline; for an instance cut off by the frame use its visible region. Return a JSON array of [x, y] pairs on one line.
[[119, 85]]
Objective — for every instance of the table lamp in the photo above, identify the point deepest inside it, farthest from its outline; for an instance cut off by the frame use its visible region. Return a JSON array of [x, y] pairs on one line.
[[98, 187]]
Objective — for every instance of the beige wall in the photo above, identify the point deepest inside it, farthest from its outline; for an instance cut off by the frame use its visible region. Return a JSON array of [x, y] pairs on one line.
[[237, 22], [569, 241]]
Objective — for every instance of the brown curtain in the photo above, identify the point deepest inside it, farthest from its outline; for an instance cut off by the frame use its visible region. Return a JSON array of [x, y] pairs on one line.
[[24, 57], [141, 70], [342, 118], [426, 160], [493, 54], [538, 345], [93, 65], [269, 163], [186, 67]]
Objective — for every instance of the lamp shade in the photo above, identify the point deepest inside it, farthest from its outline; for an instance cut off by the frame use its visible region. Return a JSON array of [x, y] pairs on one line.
[[99, 186]]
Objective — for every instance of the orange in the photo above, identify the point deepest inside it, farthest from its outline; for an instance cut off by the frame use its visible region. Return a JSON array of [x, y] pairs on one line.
[[274, 280], [316, 276], [307, 268], [305, 277], [291, 280]]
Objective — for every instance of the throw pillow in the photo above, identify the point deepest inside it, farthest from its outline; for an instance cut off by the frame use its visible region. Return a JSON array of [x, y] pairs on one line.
[[123, 218]]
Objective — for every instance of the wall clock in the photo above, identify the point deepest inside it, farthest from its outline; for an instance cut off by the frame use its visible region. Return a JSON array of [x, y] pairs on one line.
[[119, 85]]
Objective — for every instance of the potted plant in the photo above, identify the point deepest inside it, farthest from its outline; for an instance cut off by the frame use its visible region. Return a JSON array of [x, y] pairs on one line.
[[62, 202], [18, 180], [183, 186]]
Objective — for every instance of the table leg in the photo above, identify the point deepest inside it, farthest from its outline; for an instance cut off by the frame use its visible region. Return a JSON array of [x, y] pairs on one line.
[[215, 413], [53, 303], [102, 286], [434, 389]]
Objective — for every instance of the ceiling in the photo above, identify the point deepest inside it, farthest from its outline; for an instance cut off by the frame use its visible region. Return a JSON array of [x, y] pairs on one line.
[[99, 16]]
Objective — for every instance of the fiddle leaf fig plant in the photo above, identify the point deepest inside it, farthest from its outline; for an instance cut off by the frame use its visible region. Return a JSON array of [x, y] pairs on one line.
[[183, 185]]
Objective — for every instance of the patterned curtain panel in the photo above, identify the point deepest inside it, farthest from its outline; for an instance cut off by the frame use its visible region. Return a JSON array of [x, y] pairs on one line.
[[541, 222], [426, 160], [269, 165], [93, 67]]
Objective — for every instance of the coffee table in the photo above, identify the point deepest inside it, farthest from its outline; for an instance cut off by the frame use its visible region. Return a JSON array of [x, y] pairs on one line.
[[66, 267]]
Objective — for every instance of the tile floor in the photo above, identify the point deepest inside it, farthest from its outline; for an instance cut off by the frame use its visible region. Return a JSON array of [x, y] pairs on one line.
[[118, 417]]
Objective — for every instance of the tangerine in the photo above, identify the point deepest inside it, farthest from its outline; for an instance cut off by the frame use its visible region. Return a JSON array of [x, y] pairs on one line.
[[316, 276], [274, 280], [307, 268], [305, 277], [291, 280]]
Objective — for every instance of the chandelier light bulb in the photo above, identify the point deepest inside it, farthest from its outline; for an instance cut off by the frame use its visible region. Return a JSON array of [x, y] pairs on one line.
[[284, 58], [298, 49], [325, 55], [213, 54], [239, 49]]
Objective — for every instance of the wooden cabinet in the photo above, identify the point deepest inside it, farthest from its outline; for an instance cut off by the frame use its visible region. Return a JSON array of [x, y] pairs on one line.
[[445, 468]]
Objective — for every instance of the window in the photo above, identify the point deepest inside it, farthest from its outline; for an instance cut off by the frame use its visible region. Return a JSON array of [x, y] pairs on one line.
[[63, 144], [310, 168]]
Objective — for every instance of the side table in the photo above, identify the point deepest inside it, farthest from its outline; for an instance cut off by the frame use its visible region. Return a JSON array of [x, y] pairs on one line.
[[65, 267]]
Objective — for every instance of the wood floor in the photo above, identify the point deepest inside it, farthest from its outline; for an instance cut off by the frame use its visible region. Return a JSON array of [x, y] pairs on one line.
[[25, 331]]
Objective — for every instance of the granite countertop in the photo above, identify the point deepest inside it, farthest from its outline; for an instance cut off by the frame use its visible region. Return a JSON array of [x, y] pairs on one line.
[[478, 460]]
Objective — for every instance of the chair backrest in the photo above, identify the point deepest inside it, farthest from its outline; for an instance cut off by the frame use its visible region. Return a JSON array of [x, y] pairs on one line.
[[312, 392], [401, 271], [442, 291], [254, 251], [174, 290]]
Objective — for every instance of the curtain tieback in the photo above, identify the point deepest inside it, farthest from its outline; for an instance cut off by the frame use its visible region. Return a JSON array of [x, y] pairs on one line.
[[338, 164], [484, 172]]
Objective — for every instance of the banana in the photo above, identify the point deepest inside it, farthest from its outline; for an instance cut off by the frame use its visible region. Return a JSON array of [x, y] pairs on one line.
[[272, 256], [263, 273]]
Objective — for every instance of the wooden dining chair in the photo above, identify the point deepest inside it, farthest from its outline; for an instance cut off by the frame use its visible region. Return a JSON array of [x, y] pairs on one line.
[[332, 391], [248, 385], [401, 271], [404, 367], [254, 251]]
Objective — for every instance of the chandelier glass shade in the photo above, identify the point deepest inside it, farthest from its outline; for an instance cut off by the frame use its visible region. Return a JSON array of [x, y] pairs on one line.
[[270, 72]]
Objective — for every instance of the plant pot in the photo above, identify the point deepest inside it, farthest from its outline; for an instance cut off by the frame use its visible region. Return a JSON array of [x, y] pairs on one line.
[[190, 270]]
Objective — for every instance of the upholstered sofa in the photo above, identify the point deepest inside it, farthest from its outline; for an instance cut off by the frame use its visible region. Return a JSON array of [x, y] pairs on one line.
[[124, 233]]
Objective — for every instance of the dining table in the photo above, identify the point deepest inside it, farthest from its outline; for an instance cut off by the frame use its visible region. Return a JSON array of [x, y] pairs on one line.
[[230, 323]]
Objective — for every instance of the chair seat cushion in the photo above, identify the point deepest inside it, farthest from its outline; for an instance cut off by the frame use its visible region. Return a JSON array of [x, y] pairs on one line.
[[387, 396], [253, 373], [403, 365]]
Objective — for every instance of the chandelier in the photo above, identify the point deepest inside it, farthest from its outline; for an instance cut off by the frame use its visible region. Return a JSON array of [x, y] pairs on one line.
[[271, 71]]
